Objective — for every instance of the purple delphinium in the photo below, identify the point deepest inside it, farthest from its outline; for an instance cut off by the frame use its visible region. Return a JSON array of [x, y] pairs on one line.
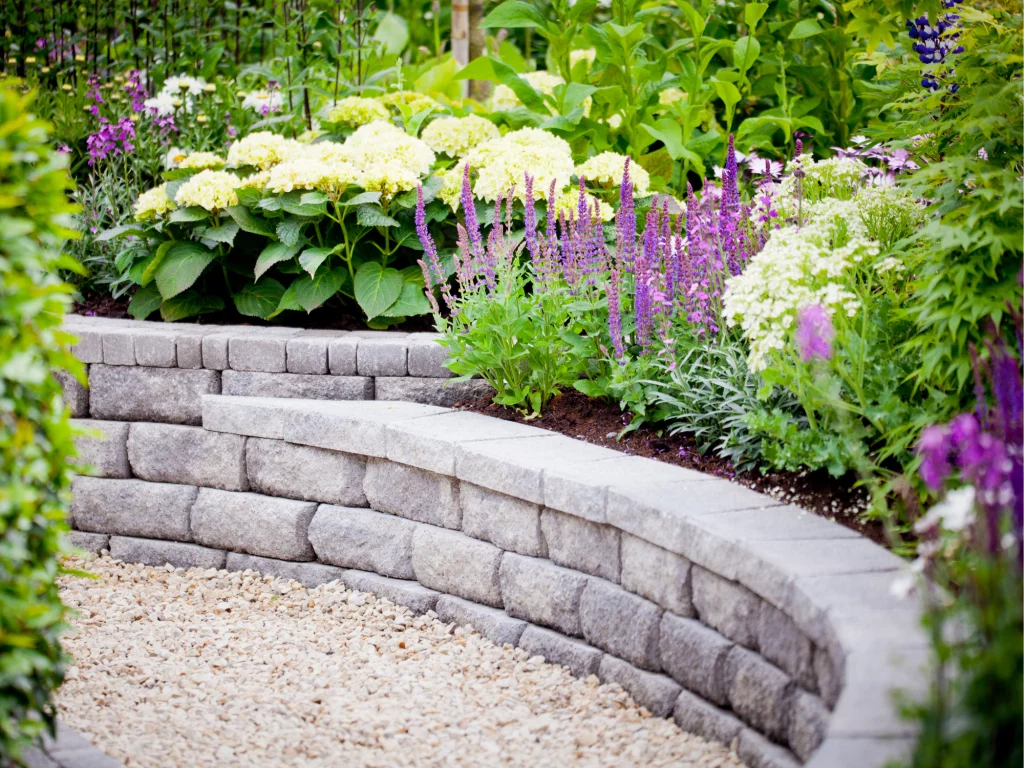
[[814, 333]]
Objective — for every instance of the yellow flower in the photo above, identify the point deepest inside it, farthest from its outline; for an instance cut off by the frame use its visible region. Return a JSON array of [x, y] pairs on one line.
[[262, 150], [201, 160], [153, 203], [212, 190], [606, 169], [357, 110], [310, 173], [417, 101], [455, 136], [501, 164]]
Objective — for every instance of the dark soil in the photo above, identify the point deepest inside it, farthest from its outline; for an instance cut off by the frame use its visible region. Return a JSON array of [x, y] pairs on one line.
[[598, 422]]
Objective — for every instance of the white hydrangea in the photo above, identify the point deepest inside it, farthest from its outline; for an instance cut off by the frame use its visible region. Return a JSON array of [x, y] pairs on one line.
[[212, 190], [606, 170], [670, 96], [357, 110], [310, 173], [501, 164], [582, 54], [451, 190], [262, 150], [153, 203], [388, 160], [201, 160], [455, 136]]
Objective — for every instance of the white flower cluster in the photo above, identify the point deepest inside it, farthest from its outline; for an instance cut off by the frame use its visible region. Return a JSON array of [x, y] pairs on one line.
[[324, 166], [455, 136], [799, 266], [212, 190], [501, 164], [387, 159], [357, 110], [153, 203], [201, 160], [262, 150], [836, 177], [263, 102], [606, 169], [177, 92]]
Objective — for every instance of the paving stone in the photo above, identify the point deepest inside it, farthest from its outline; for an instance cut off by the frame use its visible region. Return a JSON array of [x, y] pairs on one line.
[[757, 752], [277, 468], [309, 575], [353, 427], [808, 724], [341, 355], [307, 351], [621, 623], [454, 563], [508, 523], [412, 493], [171, 453], [695, 656], [657, 574], [119, 346], [297, 385], [657, 693], [542, 593], [76, 396], [427, 358], [69, 750], [759, 693], [90, 542], [828, 679], [432, 442], [132, 507], [726, 606], [263, 350], [102, 447], [153, 552], [781, 642], [412, 595], [255, 524], [188, 349], [371, 334], [578, 657], [872, 675], [363, 539], [581, 545], [382, 357], [493, 623], [89, 345], [252, 416], [215, 350], [156, 348], [837, 752], [167, 395], [695, 715], [432, 391]]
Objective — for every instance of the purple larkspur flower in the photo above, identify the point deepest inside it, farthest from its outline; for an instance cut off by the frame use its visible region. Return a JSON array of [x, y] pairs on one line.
[[814, 333]]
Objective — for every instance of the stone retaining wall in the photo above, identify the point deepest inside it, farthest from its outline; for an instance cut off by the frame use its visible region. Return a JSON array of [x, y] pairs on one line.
[[741, 618]]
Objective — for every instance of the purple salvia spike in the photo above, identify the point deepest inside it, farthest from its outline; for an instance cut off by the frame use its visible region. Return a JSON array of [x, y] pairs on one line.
[[625, 223], [469, 213], [531, 221], [615, 316]]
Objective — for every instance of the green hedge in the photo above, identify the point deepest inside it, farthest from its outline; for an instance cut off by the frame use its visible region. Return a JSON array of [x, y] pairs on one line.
[[35, 435]]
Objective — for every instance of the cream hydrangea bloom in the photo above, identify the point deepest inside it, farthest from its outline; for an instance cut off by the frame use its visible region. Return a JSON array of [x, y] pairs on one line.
[[451, 191], [201, 160], [153, 203], [310, 173], [568, 202], [388, 160], [357, 110], [582, 54], [373, 132], [670, 96], [606, 169], [262, 150], [256, 180], [455, 136], [502, 163], [212, 190], [416, 101]]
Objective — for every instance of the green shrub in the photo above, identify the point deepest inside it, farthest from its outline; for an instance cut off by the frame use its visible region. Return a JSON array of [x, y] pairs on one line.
[[35, 435]]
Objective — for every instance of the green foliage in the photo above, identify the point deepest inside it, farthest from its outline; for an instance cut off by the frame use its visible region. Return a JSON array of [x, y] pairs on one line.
[[35, 435]]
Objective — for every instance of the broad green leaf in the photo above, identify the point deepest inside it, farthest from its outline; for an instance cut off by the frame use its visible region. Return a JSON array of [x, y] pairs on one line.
[[411, 301], [311, 292], [145, 302], [372, 216], [522, 89], [693, 18], [363, 198], [247, 197], [250, 222], [271, 255], [210, 60], [225, 233], [412, 274], [514, 14], [192, 213], [312, 258], [124, 230], [313, 198], [392, 33], [667, 131], [289, 231], [189, 304], [289, 300], [745, 52], [377, 288], [806, 28], [181, 267], [575, 95], [727, 92], [752, 13], [150, 271], [259, 299]]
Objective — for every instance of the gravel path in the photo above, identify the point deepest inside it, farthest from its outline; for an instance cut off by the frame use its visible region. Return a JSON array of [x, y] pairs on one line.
[[202, 668]]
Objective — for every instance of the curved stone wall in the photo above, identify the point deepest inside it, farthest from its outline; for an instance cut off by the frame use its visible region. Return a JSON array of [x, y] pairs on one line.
[[741, 618]]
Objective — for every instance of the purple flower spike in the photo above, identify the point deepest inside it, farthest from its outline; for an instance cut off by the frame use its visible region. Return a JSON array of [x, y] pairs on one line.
[[469, 211], [933, 447], [531, 220], [814, 333]]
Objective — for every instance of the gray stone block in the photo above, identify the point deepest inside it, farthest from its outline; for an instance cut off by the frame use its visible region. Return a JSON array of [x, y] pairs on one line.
[[257, 525], [341, 355], [454, 563], [657, 574], [156, 348], [412, 493], [363, 539], [695, 657], [412, 595], [542, 593], [508, 523], [168, 395], [309, 575], [252, 416], [621, 623], [188, 349], [277, 468], [493, 623], [89, 345], [781, 642], [215, 350], [872, 676], [757, 752], [102, 447], [382, 357], [431, 391], [427, 358], [581, 545], [656, 693], [578, 657], [90, 542], [263, 349], [828, 677], [695, 715], [151, 552], [307, 351], [119, 346], [808, 724], [840, 752], [353, 427], [76, 396], [727, 606], [171, 453], [297, 385], [759, 693], [132, 507]]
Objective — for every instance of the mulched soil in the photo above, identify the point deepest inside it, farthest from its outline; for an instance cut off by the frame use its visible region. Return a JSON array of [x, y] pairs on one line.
[[599, 423]]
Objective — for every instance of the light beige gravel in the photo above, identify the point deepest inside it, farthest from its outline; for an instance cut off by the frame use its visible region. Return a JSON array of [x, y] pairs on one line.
[[202, 668]]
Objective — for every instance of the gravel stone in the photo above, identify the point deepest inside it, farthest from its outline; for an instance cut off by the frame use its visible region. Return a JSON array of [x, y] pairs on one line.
[[454, 563], [255, 524], [104, 453], [493, 623], [171, 453], [581, 545], [363, 539], [132, 507], [575, 655], [277, 468], [542, 593], [657, 693], [412, 493], [508, 523], [621, 623], [210, 668]]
